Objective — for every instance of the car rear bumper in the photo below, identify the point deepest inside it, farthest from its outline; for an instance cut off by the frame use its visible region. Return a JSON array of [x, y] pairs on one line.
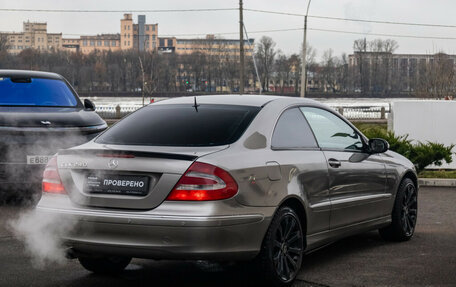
[[222, 238]]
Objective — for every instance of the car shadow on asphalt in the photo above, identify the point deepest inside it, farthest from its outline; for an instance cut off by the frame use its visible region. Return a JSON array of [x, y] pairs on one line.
[[201, 273], [172, 273], [336, 251]]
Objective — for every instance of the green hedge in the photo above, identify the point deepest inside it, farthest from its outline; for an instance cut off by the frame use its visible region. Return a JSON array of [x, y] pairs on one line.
[[420, 154]]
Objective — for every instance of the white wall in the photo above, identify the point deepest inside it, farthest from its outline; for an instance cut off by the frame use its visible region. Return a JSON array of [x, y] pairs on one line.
[[426, 120]]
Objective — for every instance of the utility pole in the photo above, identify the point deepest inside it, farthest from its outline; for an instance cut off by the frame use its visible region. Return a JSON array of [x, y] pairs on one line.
[[241, 49], [253, 57], [304, 54]]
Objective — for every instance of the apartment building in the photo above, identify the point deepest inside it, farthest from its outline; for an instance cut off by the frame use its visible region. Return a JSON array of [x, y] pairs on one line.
[[167, 44], [34, 35], [71, 44], [209, 44], [140, 37], [379, 71], [397, 61], [133, 36]]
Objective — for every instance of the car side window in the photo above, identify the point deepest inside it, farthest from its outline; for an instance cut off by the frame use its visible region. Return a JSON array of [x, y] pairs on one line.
[[331, 131], [292, 131]]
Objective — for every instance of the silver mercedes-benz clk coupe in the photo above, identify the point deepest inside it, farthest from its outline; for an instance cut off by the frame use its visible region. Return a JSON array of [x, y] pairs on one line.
[[227, 178]]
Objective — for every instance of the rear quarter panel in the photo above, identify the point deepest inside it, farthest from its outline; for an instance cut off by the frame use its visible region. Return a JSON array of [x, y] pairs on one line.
[[267, 177]]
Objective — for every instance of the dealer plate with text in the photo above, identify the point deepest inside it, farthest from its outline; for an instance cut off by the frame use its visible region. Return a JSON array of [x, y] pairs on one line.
[[117, 184], [38, 159]]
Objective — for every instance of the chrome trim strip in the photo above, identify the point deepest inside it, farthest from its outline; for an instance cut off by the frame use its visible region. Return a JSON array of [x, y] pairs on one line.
[[360, 198], [330, 203], [321, 205]]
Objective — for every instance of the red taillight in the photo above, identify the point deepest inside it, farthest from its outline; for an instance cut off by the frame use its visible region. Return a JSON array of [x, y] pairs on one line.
[[51, 178], [203, 181]]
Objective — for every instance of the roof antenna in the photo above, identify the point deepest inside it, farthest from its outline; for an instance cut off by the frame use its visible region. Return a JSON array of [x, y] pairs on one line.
[[195, 105]]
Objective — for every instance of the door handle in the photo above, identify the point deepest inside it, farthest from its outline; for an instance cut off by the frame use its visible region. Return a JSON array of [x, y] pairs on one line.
[[334, 162]]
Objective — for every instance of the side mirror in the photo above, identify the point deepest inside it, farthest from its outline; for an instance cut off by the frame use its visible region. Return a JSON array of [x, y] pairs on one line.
[[378, 145], [89, 105]]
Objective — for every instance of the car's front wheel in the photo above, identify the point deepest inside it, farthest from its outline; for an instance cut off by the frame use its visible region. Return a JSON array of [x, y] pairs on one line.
[[404, 215], [282, 250], [105, 264]]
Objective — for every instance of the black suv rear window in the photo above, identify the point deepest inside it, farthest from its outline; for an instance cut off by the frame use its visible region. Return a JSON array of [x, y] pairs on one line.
[[41, 92], [181, 125]]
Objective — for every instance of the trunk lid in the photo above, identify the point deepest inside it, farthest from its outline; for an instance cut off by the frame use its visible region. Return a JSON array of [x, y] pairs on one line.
[[86, 173], [41, 131], [47, 117]]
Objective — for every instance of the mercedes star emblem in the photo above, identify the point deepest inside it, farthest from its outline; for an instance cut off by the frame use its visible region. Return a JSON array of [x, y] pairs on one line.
[[113, 163]]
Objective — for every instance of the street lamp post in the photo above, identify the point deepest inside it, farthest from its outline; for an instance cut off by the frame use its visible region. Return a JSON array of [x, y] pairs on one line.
[[304, 51]]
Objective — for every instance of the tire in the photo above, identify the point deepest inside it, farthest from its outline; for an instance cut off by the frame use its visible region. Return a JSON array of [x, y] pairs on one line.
[[104, 265], [404, 214], [282, 250]]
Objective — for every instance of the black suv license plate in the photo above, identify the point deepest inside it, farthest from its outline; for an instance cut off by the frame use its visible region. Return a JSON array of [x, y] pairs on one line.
[[117, 184]]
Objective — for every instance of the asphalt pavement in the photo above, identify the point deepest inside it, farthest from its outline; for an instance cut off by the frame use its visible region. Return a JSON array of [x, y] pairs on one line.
[[429, 259]]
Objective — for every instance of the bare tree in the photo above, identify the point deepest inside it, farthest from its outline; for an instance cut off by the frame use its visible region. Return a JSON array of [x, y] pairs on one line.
[[342, 73], [265, 54], [295, 67], [362, 76], [390, 45], [4, 46], [283, 71], [438, 78], [328, 72], [374, 62]]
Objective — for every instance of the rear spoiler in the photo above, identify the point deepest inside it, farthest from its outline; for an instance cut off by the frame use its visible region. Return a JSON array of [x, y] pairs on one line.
[[126, 154]]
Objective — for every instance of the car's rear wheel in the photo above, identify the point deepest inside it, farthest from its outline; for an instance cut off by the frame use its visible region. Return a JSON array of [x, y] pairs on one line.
[[282, 250], [404, 213], [104, 265]]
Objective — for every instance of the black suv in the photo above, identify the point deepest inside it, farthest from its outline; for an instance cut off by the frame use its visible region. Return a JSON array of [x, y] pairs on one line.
[[40, 113]]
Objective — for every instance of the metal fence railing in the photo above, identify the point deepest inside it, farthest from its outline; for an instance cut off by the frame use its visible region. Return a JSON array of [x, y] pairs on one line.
[[368, 112], [115, 112], [363, 112]]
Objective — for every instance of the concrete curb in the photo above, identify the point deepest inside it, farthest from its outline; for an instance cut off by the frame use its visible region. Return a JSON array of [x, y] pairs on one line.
[[437, 182]]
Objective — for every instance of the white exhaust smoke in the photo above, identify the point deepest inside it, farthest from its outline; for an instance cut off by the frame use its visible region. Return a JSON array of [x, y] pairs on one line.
[[42, 236]]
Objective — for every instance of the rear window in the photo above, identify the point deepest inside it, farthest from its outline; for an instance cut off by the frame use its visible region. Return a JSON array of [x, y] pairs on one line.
[[181, 125], [35, 92]]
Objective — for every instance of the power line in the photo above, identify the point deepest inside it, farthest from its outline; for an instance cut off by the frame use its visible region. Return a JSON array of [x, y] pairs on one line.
[[353, 20], [275, 12], [300, 29], [224, 9], [115, 11], [382, 34]]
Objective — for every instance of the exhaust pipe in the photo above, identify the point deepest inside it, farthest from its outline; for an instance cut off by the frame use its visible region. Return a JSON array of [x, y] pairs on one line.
[[70, 253]]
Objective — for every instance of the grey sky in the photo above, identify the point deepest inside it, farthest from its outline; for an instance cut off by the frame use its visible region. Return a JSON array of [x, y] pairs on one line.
[[437, 11]]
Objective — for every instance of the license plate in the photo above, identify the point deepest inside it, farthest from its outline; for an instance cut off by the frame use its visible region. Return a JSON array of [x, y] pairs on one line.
[[38, 159], [117, 184]]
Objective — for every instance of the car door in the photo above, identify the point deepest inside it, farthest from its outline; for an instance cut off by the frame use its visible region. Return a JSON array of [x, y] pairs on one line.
[[357, 178], [303, 167]]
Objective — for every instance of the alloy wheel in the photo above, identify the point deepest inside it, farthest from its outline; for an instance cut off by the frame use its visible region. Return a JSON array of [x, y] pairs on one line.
[[288, 248], [409, 210]]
